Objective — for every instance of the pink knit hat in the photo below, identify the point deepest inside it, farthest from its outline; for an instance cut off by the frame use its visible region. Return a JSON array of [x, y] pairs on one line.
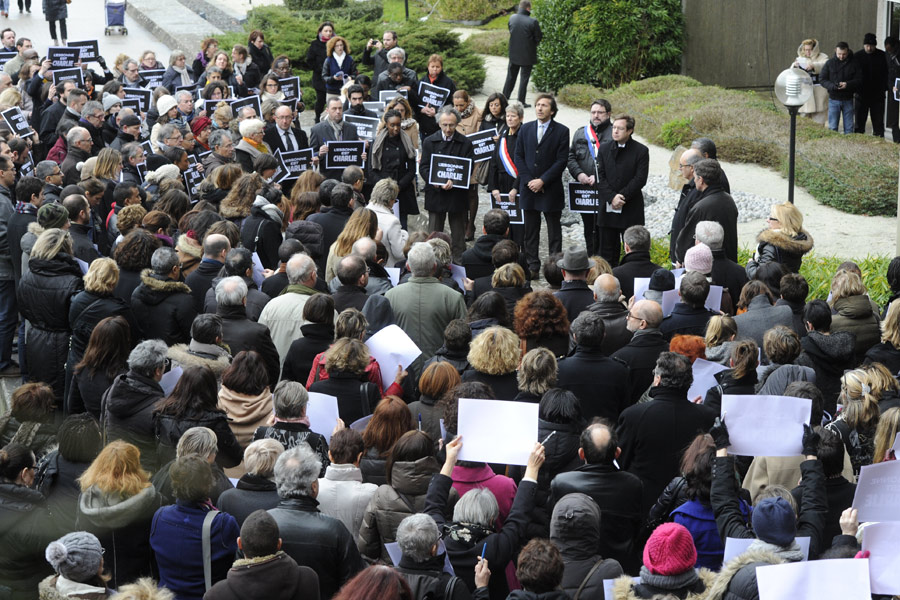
[[699, 258], [670, 550]]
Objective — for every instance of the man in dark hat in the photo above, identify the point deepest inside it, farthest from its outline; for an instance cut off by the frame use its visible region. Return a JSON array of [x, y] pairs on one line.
[[869, 98], [574, 293], [662, 280]]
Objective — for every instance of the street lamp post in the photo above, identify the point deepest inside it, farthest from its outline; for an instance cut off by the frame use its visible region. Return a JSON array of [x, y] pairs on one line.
[[793, 87]]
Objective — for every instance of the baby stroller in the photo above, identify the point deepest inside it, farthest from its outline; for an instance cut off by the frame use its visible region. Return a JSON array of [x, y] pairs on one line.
[[115, 18]]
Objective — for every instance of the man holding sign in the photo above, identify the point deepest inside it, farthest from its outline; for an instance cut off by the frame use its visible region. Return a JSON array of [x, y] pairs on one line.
[[583, 161], [450, 196], [332, 129]]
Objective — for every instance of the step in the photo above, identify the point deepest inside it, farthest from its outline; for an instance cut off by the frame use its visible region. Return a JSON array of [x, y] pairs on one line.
[[174, 24]]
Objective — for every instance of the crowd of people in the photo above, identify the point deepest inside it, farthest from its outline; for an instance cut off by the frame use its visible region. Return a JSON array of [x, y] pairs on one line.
[[168, 333]]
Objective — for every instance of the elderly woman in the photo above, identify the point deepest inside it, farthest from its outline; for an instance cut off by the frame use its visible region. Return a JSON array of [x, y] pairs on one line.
[[394, 235], [857, 422], [196, 441], [421, 564], [291, 426], [255, 490], [785, 241], [77, 558], [178, 73], [812, 60], [45, 295], [853, 312], [251, 144], [494, 355], [393, 156], [117, 503], [245, 395], [160, 135]]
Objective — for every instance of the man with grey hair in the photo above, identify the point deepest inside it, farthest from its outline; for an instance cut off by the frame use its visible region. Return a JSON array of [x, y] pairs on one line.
[[608, 304], [222, 147], [653, 435], [423, 306], [712, 203], [239, 263], [448, 198], [51, 175], [725, 272], [178, 439], [600, 382], [420, 565], [185, 103], [309, 537], [162, 303], [92, 117], [636, 262], [131, 74], [78, 144], [395, 78], [240, 333], [647, 342], [127, 411], [378, 280], [284, 315], [687, 198], [689, 316], [132, 155]]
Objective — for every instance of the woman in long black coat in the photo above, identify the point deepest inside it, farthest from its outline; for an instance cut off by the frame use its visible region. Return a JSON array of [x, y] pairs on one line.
[[260, 53], [503, 178], [315, 59], [45, 294], [394, 157], [56, 10]]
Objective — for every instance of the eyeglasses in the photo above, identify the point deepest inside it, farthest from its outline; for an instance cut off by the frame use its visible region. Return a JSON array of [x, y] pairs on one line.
[[771, 219], [628, 315]]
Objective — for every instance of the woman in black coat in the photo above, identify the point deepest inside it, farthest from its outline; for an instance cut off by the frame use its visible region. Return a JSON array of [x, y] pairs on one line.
[[315, 59], [494, 356], [105, 358], [255, 490], [45, 294], [260, 53], [785, 241], [55, 10], [740, 379], [436, 77], [132, 255], [503, 177], [317, 334], [394, 156], [346, 363], [208, 48]]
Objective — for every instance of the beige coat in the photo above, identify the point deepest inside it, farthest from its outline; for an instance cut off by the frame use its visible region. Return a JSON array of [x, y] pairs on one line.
[[819, 101], [246, 413], [781, 470]]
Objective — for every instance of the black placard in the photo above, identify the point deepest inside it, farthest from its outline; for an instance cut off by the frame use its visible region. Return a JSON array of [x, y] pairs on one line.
[[290, 86], [516, 216], [583, 198], [90, 49], [253, 101], [142, 170], [210, 105], [132, 103], [17, 122], [375, 106], [27, 167], [193, 89], [432, 95], [61, 75], [365, 126], [444, 168], [344, 154], [153, 77], [192, 179], [291, 104], [5, 57], [292, 164], [148, 147], [483, 144], [61, 57], [142, 95], [388, 95]]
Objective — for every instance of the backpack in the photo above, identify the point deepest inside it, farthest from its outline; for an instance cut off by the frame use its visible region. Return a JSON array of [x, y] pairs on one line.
[[435, 592], [59, 151]]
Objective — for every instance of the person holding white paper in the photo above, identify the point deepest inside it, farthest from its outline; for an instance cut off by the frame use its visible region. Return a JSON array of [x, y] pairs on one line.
[[740, 379]]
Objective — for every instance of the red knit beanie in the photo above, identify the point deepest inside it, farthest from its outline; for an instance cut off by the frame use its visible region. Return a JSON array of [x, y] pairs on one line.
[[670, 550]]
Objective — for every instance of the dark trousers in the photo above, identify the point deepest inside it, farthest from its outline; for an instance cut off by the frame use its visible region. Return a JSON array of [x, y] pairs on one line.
[[512, 72], [610, 247], [533, 235], [27, 6], [8, 314], [591, 243], [891, 117], [457, 229], [62, 29], [321, 95], [866, 106]]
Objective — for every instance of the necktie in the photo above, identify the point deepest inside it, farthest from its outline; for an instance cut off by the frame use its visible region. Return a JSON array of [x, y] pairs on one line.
[[288, 145], [540, 132]]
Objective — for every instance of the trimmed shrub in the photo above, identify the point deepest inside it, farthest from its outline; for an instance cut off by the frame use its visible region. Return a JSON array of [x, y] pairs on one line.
[[494, 43], [314, 4], [470, 10], [607, 42]]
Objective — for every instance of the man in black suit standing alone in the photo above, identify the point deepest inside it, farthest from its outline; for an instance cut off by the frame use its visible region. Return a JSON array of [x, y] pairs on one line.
[[622, 168], [542, 151], [524, 37]]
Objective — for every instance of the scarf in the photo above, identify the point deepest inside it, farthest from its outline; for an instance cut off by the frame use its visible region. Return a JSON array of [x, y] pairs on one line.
[[378, 147], [185, 78], [258, 147], [337, 126], [791, 553], [212, 349], [669, 582], [469, 109], [467, 533], [299, 288], [407, 123], [339, 58], [301, 420], [201, 56], [277, 97]]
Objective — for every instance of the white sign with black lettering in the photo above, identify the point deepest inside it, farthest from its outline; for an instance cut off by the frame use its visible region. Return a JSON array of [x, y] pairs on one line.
[[432, 95], [61, 75], [516, 216], [141, 95], [344, 154], [89, 49], [17, 122], [444, 168], [365, 126], [61, 57], [583, 198], [483, 144]]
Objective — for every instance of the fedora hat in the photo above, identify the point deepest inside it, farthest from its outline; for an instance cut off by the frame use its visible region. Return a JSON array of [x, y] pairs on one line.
[[575, 259]]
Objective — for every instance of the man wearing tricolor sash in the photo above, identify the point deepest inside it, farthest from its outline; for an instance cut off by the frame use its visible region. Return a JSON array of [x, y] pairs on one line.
[[583, 161]]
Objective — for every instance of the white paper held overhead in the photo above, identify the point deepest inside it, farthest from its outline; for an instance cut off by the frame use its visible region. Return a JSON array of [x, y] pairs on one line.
[[765, 425], [322, 412], [485, 440], [843, 578], [391, 347]]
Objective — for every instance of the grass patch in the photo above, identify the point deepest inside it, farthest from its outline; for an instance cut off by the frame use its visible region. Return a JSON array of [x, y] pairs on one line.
[[854, 173], [501, 22], [494, 42], [395, 11], [817, 269]]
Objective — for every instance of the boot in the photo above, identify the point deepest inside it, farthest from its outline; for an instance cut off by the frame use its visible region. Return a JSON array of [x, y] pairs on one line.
[[55, 42]]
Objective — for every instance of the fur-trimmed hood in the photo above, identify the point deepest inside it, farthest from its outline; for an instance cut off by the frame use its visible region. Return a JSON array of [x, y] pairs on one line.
[[798, 244], [56, 587], [192, 250], [153, 289], [35, 228], [234, 208], [731, 569], [181, 353], [623, 588]]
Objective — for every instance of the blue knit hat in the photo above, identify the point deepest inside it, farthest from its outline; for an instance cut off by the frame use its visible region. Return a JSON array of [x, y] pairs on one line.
[[774, 521]]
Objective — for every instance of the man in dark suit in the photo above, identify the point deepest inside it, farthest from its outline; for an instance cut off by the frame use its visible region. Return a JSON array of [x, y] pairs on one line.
[[685, 201], [636, 262], [582, 164], [712, 203], [647, 343], [284, 134], [542, 150], [332, 129], [524, 37], [447, 201], [622, 168], [574, 292]]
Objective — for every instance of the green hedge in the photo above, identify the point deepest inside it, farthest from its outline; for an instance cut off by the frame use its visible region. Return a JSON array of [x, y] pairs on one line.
[[494, 43], [314, 5], [607, 42], [470, 10], [291, 33]]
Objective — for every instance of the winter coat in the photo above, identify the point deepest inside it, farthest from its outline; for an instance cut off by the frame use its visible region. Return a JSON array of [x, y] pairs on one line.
[[437, 199], [839, 494], [261, 233], [163, 309], [274, 577], [256, 299], [356, 396], [195, 354], [737, 579], [886, 354], [172, 79], [317, 541], [711, 204], [616, 334], [814, 65], [293, 434], [600, 382], [240, 333], [837, 71], [315, 339], [625, 588], [44, 295], [686, 320], [575, 296], [70, 590], [315, 58], [25, 531], [760, 317], [393, 235], [332, 222], [162, 481], [728, 274], [830, 356], [330, 68], [251, 493], [727, 384], [176, 540], [262, 57], [425, 412], [392, 503], [245, 412], [640, 355], [546, 161], [775, 378], [859, 441], [505, 386], [524, 37], [127, 413], [344, 496], [575, 529], [775, 246], [428, 580], [618, 495], [855, 315], [700, 521], [372, 466], [169, 429], [57, 479], [55, 10], [652, 436], [200, 280], [636, 263], [766, 471], [503, 488], [623, 171], [123, 527], [88, 389]]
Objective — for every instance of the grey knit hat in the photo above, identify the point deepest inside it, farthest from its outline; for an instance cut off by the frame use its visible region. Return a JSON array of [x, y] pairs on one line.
[[77, 556]]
